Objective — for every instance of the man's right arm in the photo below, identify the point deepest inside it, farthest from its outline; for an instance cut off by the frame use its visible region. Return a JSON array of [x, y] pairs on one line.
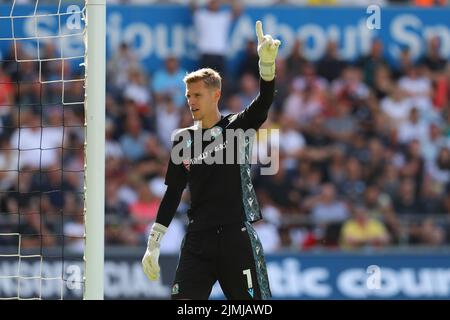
[[169, 204], [166, 212], [176, 180]]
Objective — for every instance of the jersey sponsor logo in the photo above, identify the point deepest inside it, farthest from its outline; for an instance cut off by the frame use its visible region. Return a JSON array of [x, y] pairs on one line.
[[206, 154]]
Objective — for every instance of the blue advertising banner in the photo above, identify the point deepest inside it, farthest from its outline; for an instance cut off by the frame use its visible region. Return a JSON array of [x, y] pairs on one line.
[[292, 276], [159, 30], [356, 276]]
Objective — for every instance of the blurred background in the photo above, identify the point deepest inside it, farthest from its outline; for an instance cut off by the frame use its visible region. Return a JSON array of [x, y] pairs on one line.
[[362, 105]]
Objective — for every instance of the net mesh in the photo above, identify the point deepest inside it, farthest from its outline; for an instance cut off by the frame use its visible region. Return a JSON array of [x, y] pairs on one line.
[[42, 77]]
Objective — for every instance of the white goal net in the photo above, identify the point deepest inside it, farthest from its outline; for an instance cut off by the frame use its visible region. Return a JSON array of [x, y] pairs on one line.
[[42, 149]]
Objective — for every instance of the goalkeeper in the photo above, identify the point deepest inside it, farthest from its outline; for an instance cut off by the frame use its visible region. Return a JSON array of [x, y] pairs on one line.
[[220, 243]]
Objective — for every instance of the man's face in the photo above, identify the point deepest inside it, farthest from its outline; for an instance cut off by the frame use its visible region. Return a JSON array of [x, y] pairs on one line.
[[201, 100]]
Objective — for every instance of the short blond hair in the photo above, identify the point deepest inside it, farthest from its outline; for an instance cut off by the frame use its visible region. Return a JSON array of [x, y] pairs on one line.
[[210, 78]]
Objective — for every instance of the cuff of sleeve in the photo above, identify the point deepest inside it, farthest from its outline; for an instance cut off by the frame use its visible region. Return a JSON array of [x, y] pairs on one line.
[[267, 70], [156, 233]]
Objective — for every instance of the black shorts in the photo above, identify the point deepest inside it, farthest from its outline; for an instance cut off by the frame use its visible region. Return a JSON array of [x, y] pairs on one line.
[[230, 254]]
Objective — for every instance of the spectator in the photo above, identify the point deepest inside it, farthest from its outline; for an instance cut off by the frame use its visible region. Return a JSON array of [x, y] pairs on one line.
[[38, 147], [234, 104], [433, 59], [303, 104], [291, 142], [249, 87], [212, 26], [330, 65], [296, 60], [404, 64], [439, 170], [354, 185], [432, 142], [341, 125], [383, 82], [134, 139], [250, 61], [167, 120], [328, 208], [375, 162], [363, 231], [143, 210], [168, 81], [413, 128], [396, 106], [136, 90], [120, 65], [379, 207], [350, 87], [372, 61], [405, 200], [118, 226], [417, 87], [427, 233]]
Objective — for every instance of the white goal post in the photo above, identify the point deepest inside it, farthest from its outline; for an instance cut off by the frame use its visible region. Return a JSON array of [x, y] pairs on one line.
[[95, 148]]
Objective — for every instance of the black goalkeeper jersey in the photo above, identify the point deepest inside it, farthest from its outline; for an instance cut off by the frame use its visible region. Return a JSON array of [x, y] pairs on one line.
[[221, 193]]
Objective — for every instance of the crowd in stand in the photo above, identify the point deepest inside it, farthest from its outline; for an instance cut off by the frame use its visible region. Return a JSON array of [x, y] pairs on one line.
[[364, 146]]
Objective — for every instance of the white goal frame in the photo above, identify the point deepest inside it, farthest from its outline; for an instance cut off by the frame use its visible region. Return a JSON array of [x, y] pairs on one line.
[[95, 149]]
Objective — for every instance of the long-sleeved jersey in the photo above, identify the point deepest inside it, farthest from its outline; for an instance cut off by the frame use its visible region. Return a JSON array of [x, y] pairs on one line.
[[215, 164]]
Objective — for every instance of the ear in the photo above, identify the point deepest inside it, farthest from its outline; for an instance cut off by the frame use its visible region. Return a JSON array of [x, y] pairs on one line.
[[217, 94]]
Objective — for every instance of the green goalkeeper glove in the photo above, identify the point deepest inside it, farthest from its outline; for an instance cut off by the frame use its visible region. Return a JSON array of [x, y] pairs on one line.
[[267, 52], [150, 262]]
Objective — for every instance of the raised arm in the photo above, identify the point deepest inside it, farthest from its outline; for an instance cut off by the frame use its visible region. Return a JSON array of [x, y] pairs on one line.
[[267, 52], [256, 113]]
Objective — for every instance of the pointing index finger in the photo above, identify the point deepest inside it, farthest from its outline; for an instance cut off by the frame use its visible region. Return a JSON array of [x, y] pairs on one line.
[[259, 31]]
